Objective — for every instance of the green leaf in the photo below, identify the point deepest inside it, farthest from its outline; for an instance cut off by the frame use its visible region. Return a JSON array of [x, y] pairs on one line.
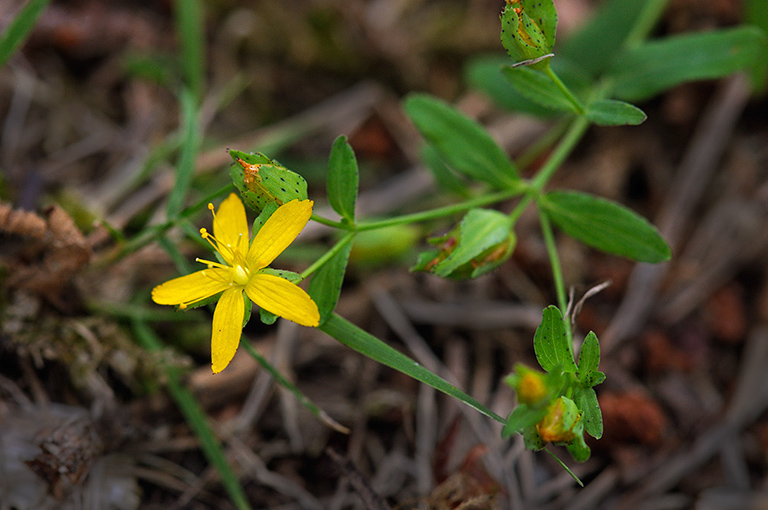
[[262, 218], [589, 356], [646, 70], [480, 230], [550, 342], [539, 88], [610, 112], [594, 378], [756, 13], [521, 418], [484, 73], [462, 143], [370, 346], [16, 32], [342, 179], [325, 286], [444, 177], [586, 400], [605, 225], [594, 46]]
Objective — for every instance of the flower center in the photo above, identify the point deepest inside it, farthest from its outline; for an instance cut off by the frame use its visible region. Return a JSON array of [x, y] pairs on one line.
[[239, 274]]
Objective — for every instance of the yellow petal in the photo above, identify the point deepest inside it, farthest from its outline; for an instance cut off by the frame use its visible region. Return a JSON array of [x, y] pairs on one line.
[[283, 298], [191, 288], [230, 226], [227, 328], [278, 232]]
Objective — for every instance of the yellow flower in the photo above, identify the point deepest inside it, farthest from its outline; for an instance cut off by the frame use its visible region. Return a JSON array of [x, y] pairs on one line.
[[243, 271]]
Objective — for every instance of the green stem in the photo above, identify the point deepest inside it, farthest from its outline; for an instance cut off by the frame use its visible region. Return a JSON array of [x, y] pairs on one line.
[[557, 271], [441, 211], [328, 255], [565, 90], [185, 169], [561, 152], [331, 223]]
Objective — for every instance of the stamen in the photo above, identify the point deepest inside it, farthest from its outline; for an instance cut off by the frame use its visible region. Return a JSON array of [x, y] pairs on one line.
[[225, 249]]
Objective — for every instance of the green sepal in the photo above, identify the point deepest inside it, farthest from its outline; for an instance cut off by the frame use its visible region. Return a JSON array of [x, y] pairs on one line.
[[579, 449], [522, 418], [262, 218], [528, 31], [532, 439], [481, 233], [248, 308], [262, 180]]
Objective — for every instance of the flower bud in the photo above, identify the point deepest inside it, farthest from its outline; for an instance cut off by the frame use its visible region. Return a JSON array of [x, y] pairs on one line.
[[529, 385], [558, 424]]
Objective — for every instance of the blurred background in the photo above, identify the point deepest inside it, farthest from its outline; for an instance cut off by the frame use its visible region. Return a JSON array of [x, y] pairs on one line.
[[92, 113]]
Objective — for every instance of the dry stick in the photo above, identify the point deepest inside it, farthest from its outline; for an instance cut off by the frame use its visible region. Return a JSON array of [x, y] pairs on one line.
[[254, 466], [400, 324], [426, 437], [695, 171], [285, 347], [749, 402]]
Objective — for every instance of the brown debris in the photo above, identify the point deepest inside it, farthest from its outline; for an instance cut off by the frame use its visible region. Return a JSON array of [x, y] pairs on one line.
[[68, 451], [631, 417], [51, 252]]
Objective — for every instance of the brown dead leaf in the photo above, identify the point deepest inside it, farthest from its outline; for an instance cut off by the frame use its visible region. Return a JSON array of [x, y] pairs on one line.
[[42, 254]]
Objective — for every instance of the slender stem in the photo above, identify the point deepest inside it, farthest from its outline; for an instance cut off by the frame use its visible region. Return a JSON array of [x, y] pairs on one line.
[[565, 90], [327, 255], [441, 211], [557, 271], [331, 223], [561, 152]]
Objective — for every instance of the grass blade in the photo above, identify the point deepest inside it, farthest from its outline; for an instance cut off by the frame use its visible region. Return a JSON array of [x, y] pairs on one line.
[[17, 30]]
